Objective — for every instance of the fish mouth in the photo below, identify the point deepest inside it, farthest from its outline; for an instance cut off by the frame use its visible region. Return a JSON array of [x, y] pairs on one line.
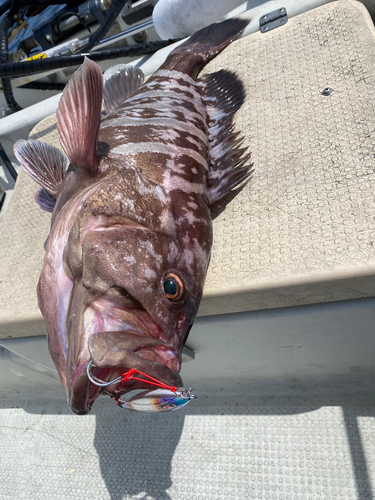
[[119, 335], [147, 355]]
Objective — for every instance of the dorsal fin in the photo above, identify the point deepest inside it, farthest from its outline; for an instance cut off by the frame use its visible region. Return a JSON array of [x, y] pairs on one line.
[[224, 95], [78, 116], [120, 82], [43, 162], [204, 45], [45, 200]]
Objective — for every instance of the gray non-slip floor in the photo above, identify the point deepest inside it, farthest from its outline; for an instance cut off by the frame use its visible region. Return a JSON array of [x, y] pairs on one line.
[[219, 449]]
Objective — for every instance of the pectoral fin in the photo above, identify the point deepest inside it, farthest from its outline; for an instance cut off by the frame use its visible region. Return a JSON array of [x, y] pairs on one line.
[[45, 200], [78, 116], [44, 163], [120, 83]]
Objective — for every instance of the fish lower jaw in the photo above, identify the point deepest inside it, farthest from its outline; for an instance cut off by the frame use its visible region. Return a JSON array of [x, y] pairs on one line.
[[120, 336], [113, 354], [142, 337], [158, 362]]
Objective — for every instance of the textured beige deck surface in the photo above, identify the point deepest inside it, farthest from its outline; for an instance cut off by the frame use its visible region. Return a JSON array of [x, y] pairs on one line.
[[263, 451], [303, 230]]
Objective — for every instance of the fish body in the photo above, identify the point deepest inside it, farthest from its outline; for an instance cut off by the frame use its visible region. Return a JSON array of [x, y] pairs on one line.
[[131, 231]]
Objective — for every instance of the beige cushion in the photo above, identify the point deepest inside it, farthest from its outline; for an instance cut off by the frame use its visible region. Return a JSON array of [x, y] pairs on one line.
[[303, 230]]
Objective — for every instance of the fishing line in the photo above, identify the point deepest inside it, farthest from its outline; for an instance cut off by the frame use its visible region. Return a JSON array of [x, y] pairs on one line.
[[125, 377]]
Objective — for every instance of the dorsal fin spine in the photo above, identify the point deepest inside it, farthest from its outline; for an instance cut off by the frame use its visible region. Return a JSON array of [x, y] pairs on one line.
[[78, 116]]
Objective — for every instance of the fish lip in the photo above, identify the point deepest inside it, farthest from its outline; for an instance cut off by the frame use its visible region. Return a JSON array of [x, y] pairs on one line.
[[82, 396], [118, 345], [147, 339], [114, 353], [123, 316]]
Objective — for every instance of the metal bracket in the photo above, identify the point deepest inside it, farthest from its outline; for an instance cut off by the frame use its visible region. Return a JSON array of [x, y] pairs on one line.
[[187, 354], [273, 20]]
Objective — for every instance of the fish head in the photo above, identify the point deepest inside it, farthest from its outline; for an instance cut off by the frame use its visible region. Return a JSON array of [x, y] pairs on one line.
[[133, 304]]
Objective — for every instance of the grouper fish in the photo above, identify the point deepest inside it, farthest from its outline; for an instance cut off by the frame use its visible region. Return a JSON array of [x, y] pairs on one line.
[[131, 230]]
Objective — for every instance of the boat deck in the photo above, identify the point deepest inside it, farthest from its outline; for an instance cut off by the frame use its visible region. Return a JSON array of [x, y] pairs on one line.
[[302, 231], [218, 449]]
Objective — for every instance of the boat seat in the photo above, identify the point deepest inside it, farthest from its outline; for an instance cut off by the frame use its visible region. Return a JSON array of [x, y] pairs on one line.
[[302, 231]]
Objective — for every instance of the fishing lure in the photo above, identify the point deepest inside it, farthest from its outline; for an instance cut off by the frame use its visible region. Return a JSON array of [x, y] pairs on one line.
[[159, 400], [167, 398]]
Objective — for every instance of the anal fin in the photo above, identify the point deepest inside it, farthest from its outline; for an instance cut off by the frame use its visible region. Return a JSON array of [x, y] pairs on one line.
[[224, 95], [120, 83]]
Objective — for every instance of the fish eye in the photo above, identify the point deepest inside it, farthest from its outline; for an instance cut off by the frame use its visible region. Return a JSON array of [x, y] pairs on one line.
[[173, 287]]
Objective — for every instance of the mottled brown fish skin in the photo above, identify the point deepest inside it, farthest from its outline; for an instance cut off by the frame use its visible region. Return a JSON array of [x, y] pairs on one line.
[[163, 131], [131, 230]]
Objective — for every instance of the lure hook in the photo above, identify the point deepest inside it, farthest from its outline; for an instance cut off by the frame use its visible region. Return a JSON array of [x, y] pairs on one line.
[[165, 398]]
